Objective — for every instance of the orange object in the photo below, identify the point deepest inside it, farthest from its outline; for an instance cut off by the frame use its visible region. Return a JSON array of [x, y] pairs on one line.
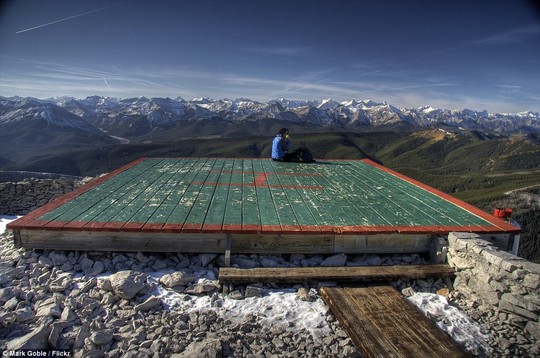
[[502, 213]]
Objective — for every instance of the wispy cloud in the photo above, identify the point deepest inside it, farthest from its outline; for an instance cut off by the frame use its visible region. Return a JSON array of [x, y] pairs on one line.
[[516, 35], [47, 79], [277, 50], [512, 87]]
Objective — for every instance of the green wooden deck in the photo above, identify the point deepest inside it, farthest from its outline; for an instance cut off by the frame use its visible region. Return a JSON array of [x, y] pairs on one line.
[[259, 196]]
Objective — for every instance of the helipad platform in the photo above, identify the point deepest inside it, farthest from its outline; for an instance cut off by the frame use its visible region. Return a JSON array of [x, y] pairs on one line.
[[251, 205]]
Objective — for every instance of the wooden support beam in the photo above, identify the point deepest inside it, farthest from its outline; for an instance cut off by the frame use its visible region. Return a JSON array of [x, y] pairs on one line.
[[228, 251], [351, 274], [382, 323]]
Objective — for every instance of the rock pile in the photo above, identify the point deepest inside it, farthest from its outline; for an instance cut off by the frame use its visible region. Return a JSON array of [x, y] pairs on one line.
[[20, 198], [500, 290]]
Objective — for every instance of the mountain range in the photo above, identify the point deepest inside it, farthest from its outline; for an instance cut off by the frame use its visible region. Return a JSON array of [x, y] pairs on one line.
[[142, 118]]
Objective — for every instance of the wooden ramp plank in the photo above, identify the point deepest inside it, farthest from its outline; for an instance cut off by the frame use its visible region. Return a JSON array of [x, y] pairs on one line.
[[382, 323], [354, 274]]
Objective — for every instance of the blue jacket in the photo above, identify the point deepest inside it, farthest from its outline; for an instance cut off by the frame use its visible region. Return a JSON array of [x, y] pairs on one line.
[[277, 148]]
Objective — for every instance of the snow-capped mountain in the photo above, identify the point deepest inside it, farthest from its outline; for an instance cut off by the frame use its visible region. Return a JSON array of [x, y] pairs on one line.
[[30, 111], [140, 115]]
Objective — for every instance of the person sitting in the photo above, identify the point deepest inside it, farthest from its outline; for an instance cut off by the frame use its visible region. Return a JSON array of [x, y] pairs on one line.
[[281, 146]]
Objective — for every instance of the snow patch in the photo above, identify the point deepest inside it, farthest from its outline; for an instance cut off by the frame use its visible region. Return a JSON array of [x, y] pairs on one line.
[[6, 219], [450, 319]]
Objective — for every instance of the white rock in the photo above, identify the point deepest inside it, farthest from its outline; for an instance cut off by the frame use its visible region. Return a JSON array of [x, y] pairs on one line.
[[253, 291], [203, 286], [102, 337], [126, 284], [11, 304], [150, 303], [49, 307], [62, 283], [177, 278], [209, 348]]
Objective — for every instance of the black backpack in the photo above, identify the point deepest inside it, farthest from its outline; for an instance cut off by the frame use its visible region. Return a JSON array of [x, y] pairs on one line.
[[302, 155]]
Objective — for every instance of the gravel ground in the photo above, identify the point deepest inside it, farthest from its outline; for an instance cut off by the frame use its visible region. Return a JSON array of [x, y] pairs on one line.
[[157, 305]]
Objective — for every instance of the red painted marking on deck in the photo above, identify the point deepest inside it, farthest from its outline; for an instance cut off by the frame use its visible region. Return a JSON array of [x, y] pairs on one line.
[[504, 226], [260, 179]]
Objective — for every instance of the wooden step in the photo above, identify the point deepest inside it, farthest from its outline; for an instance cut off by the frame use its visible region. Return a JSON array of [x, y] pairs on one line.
[[382, 323], [348, 273]]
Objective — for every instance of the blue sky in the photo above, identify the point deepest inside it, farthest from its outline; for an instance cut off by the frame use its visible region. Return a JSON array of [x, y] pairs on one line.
[[451, 54]]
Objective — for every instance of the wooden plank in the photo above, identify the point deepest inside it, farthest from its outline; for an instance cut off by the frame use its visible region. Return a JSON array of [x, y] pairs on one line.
[[318, 210], [280, 244], [139, 211], [133, 194], [251, 217], [392, 243], [286, 214], [215, 213], [399, 323], [366, 336], [306, 222], [413, 197], [194, 221], [172, 192], [186, 195], [123, 241], [232, 220], [349, 273], [267, 208]]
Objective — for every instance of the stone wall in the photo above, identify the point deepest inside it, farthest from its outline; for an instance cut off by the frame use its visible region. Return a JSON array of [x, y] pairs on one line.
[[20, 198], [496, 280]]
